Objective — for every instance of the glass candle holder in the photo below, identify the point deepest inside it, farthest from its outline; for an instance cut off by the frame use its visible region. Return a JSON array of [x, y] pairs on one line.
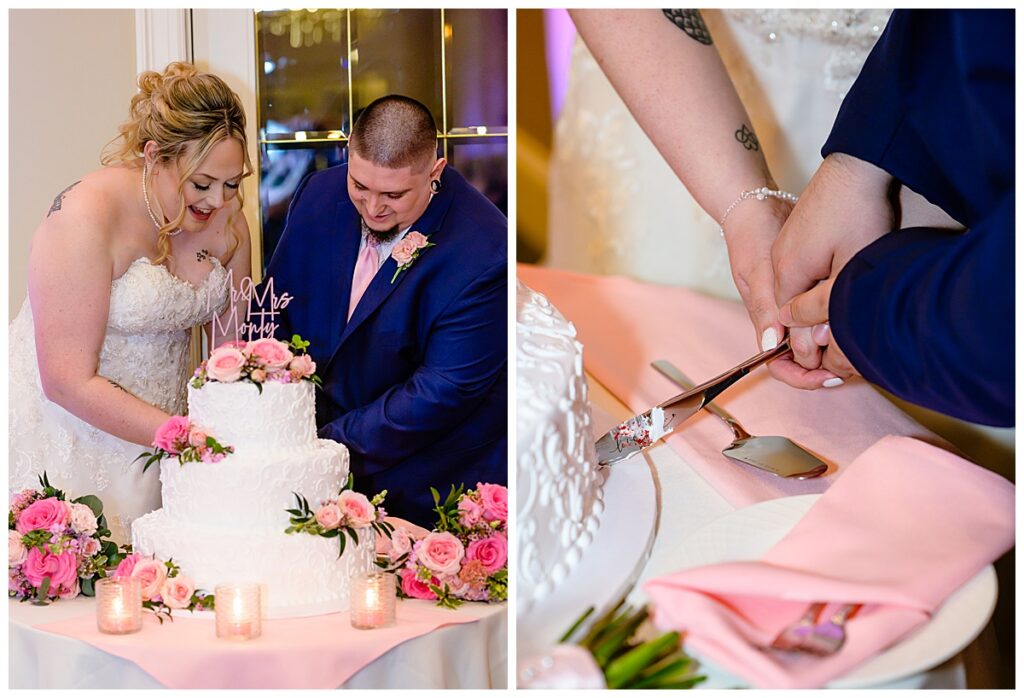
[[373, 600], [118, 605], [237, 610]]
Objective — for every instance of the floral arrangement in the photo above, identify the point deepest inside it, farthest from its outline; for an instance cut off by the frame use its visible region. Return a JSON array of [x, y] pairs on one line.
[[164, 588], [465, 557], [265, 360], [56, 548], [408, 249], [342, 516], [188, 442]]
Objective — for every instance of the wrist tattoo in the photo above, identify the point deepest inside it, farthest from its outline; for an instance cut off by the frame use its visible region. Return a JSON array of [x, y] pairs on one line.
[[691, 23], [747, 138], [59, 199], [202, 255], [117, 385]]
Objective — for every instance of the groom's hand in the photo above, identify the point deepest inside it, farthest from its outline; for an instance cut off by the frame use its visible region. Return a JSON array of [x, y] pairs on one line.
[[845, 207]]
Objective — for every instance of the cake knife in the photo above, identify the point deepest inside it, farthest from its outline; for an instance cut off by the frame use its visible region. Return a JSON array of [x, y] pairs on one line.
[[640, 432]]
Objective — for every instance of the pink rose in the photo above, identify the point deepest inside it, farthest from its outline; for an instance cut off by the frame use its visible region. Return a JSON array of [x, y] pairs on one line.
[[470, 511], [61, 569], [491, 551], [357, 508], [270, 353], [303, 365], [225, 365], [127, 565], [414, 588], [172, 435], [197, 437], [151, 574], [495, 501], [16, 552], [239, 344], [329, 516], [90, 547], [70, 591], [441, 552], [44, 514], [403, 252], [82, 519], [176, 592]]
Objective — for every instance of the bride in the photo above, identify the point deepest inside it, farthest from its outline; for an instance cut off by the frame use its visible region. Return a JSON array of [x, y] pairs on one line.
[[123, 265]]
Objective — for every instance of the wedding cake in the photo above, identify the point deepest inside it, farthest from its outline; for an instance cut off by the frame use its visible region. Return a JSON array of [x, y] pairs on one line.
[[559, 487], [225, 521]]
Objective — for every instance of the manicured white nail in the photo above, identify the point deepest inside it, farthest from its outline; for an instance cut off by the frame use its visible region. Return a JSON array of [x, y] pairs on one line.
[[832, 382], [769, 340]]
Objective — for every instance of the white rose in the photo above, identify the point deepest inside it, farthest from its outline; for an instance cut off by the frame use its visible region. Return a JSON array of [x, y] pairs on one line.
[[16, 552]]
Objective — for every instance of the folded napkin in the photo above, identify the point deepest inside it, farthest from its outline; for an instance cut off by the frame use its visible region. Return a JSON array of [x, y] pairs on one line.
[[906, 526], [624, 325]]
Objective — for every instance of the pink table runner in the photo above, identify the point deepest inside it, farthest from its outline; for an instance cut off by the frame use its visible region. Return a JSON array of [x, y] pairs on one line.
[[624, 325], [906, 526], [316, 652]]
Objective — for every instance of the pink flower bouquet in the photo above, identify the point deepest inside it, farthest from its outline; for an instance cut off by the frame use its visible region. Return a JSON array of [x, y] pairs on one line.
[[188, 442], [56, 548], [260, 361], [164, 588], [465, 558], [341, 517]]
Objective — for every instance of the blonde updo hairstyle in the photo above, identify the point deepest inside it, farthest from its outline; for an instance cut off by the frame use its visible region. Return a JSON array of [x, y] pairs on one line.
[[187, 113]]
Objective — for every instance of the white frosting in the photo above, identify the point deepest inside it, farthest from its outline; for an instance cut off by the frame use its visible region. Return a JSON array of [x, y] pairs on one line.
[[225, 522], [558, 484]]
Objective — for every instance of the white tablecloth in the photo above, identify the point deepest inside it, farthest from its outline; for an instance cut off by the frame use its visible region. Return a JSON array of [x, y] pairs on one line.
[[466, 655], [687, 503]]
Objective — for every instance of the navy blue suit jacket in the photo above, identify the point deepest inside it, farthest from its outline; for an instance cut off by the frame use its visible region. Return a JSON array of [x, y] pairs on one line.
[[927, 314], [415, 384]]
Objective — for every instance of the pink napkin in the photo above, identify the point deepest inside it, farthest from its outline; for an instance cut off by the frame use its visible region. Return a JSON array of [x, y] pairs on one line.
[[316, 652], [906, 526], [624, 325]]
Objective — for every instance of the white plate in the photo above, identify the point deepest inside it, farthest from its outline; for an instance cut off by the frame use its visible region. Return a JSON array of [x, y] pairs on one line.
[[748, 533]]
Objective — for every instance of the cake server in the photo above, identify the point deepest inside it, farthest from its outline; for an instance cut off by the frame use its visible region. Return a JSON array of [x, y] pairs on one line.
[[640, 432], [777, 455]]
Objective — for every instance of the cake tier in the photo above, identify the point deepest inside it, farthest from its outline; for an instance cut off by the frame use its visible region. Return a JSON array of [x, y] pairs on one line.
[[301, 574], [238, 414], [247, 489], [558, 484]]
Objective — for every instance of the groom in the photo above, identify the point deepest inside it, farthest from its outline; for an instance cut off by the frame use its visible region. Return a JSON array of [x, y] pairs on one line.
[[398, 270]]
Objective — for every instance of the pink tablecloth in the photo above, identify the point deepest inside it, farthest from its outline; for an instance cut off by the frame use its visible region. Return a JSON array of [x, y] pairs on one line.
[[624, 325], [291, 653]]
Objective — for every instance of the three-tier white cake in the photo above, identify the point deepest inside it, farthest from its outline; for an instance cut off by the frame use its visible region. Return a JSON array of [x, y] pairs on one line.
[[225, 522]]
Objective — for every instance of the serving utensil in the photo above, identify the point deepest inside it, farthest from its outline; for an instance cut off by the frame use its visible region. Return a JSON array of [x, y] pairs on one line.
[[777, 455], [827, 638], [792, 636]]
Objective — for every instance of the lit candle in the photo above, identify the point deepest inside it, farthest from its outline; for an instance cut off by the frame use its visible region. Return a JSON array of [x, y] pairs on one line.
[[373, 600], [237, 610], [118, 605]]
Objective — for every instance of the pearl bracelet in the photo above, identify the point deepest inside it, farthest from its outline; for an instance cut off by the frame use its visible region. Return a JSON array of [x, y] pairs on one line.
[[760, 194]]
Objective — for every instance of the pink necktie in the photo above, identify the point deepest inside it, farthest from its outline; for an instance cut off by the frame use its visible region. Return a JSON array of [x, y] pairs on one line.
[[366, 269]]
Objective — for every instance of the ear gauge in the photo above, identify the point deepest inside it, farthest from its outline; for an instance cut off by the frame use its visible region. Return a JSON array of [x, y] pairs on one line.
[[435, 185]]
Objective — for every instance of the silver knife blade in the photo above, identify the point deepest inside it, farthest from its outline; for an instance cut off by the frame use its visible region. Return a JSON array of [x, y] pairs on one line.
[[645, 429]]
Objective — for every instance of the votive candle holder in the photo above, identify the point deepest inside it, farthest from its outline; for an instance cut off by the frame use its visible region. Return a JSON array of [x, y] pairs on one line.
[[237, 611], [118, 605], [373, 600]]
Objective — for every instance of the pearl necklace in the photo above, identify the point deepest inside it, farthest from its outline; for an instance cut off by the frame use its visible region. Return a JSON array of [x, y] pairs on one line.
[[149, 209]]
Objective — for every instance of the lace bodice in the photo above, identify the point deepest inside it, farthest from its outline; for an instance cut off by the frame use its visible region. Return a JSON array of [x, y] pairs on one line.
[[145, 351]]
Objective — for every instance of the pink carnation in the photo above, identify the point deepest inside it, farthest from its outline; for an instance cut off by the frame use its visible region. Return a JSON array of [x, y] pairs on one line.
[[404, 250], [82, 519], [151, 574], [225, 365], [492, 552], [357, 508], [495, 501], [419, 240], [90, 547], [61, 569], [329, 516], [303, 365], [270, 353], [127, 565], [176, 592], [44, 514], [470, 512], [414, 588], [441, 552], [197, 437], [172, 435]]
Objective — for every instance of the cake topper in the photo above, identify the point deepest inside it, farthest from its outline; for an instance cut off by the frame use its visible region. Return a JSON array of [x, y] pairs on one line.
[[261, 311]]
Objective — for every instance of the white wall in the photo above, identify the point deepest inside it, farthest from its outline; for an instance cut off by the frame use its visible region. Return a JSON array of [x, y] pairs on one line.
[[72, 74]]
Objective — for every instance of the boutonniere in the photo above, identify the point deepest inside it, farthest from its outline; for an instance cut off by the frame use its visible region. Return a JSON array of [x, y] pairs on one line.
[[407, 250]]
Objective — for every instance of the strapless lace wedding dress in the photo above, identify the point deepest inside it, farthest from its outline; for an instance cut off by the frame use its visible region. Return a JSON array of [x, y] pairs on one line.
[[615, 206], [146, 351]]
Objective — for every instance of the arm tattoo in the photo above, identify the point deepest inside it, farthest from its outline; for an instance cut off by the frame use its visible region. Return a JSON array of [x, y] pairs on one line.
[[59, 199], [746, 136], [692, 23], [116, 385]]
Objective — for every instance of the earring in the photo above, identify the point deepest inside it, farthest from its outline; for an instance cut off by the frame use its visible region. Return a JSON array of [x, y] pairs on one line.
[[435, 185]]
